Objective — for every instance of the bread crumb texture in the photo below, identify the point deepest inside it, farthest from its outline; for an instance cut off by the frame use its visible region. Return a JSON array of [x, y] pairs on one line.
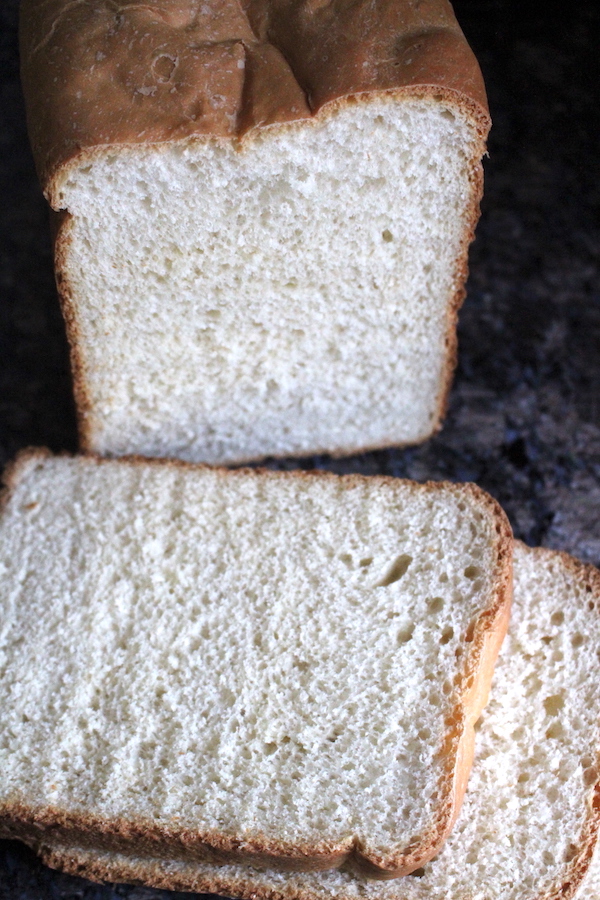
[[292, 297], [528, 829], [258, 656]]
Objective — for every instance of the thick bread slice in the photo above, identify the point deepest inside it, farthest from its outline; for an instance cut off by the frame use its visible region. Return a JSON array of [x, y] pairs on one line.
[[220, 666], [528, 829], [265, 210]]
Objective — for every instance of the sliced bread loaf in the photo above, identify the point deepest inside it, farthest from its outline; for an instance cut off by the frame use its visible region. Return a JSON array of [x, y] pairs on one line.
[[230, 666], [265, 214], [529, 826]]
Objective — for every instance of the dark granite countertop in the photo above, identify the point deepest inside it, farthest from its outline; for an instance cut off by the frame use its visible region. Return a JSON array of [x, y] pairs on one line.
[[524, 417]]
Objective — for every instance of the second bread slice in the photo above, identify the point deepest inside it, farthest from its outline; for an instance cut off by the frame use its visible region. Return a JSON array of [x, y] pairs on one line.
[[243, 666]]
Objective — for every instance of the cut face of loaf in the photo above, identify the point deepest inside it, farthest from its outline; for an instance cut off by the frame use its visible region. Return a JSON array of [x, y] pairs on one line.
[[220, 666], [241, 281], [296, 295], [528, 829]]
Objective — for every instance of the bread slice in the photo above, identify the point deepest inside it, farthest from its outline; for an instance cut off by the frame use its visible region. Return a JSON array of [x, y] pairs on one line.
[[265, 214], [213, 665], [528, 829]]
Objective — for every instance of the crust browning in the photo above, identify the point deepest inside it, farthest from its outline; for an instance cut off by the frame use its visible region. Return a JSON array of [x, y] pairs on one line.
[[471, 685], [116, 73]]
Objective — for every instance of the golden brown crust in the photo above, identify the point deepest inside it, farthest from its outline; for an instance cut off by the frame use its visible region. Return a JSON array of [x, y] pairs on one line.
[[119, 72], [113, 867], [460, 279], [484, 637], [61, 223]]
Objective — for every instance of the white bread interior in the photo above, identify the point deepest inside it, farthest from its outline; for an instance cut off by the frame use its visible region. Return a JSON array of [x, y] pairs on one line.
[[292, 294], [273, 663], [528, 829]]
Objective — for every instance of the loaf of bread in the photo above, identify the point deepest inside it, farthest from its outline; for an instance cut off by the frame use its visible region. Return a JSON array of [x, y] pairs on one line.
[[224, 666], [263, 215], [528, 829]]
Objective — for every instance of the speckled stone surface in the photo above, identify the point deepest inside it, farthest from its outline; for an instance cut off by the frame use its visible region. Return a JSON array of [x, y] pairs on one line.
[[524, 418]]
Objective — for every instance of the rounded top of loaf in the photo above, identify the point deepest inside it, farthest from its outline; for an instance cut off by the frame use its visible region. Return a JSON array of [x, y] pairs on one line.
[[117, 72]]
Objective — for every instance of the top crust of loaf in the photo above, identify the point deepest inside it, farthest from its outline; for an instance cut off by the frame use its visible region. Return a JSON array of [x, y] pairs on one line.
[[118, 72], [486, 633]]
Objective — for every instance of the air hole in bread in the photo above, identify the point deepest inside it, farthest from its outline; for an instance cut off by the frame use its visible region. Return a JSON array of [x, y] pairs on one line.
[[570, 852], [447, 634], [387, 236], [557, 618], [472, 572], [366, 561], [448, 114], [337, 731], [405, 634], [553, 704], [555, 731], [435, 604], [396, 571], [577, 640]]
